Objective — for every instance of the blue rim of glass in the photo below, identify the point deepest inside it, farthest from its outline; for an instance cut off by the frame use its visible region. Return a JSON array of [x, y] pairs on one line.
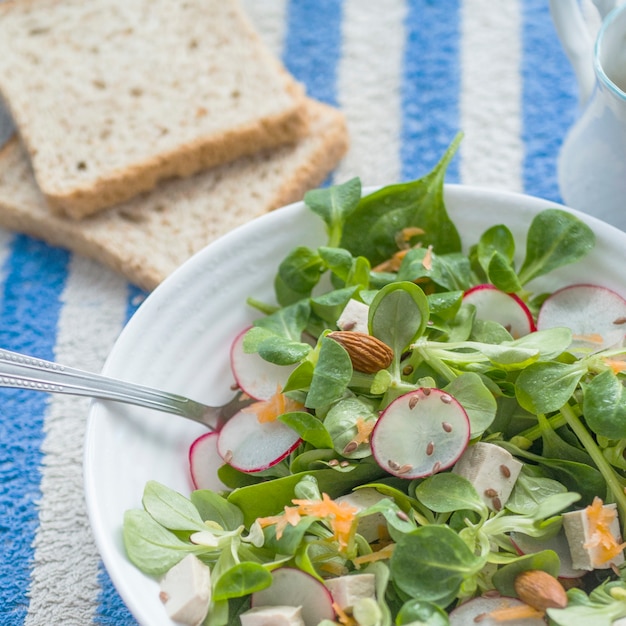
[[608, 21]]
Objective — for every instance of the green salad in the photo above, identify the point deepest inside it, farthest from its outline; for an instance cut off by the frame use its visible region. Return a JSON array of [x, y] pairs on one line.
[[440, 445]]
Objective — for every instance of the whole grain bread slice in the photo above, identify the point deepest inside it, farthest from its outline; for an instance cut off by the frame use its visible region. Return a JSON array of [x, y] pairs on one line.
[[111, 96], [148, 237]]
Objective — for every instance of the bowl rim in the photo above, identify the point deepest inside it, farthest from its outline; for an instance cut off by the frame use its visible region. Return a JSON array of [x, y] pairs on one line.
[[164, 293]]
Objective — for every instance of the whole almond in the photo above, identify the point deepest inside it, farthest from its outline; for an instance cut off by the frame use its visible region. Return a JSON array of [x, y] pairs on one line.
[[540, 590], [367, 353]]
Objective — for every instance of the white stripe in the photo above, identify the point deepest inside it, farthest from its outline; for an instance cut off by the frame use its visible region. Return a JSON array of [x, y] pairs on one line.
[[369, 89], [269, 18], [491, 94], [64, 582]]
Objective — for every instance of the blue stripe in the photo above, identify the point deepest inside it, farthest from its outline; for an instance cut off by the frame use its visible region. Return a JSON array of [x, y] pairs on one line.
[[313, 45], [431, 86], [35, 276], [549, 100], [111, 609]]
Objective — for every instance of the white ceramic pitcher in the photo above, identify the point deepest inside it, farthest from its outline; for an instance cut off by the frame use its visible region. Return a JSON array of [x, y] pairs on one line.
[[592, 161]]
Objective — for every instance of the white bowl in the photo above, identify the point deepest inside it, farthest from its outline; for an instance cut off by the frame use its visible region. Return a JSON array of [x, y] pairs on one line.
[[179, 340]]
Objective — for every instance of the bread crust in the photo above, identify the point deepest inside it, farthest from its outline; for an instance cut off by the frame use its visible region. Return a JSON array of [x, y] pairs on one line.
[[147, 238], [84, 164]]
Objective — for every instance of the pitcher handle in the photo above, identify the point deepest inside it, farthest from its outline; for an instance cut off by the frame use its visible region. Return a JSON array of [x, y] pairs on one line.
[[577, 43]]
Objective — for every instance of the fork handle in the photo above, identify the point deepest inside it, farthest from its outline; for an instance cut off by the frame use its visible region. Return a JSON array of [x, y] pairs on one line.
[[25, 372]]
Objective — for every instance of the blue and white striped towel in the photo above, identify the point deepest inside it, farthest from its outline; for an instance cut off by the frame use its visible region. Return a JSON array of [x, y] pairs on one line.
[[408, 74]]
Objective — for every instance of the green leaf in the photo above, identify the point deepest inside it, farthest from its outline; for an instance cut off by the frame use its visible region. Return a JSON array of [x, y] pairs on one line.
[[431, 563], [335, 205], [270, 497], [502, 274], [331, 376], [555, 238], [504, 577], [337, 260], [547, 386], [449, 492], [309, 427], [170, 509], [329, 305], [529, 491], [604, 406], [340, 423], [449, 271], [301, 269], [241, 580], [291, 538], [211, 506], [149, 546], [421, 613], [372, 227], [398, 315], [478, 402]]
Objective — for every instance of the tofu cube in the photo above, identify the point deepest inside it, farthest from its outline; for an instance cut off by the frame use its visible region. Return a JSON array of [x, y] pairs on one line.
[[354, 317], [186, 591], [579, 537], [492, 470], [273, 616], [369, 527], [347, 590]]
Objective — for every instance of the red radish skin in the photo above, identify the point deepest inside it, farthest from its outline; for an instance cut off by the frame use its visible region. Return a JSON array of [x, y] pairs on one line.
[[297, 588], [204, 461], [251, 446], [254, 375], [477, 610], [498, 306], [420, 433], [596, 316]]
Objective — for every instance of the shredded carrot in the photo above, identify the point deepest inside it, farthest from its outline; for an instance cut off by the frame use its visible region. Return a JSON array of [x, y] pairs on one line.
[[514, 612], [427, 261], [340, 516], [364, 430], [269, 410], [406, 234], [290, 516], [343, 617], [616, 365], [334, 568], [591, 338], [393, 264], [601, 539], [379, 555]]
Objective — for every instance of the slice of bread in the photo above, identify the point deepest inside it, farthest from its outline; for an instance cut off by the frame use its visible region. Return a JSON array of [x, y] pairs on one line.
[[148, 237], [111, 96]]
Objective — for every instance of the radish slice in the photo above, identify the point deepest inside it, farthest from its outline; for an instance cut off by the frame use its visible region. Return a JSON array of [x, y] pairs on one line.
[[204, 461], [525, 544], [477, 610], [251, 446], [255, 376], [505, 308], [297, 588], [595, 315], [420, 433]]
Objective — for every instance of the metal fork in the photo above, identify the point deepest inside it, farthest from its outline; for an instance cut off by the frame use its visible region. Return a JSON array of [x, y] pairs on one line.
[[26, 372]]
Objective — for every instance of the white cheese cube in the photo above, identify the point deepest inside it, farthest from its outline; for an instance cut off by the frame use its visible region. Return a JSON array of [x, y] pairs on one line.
[[579, 534], [368, 527], [492, 470], [186, 591], [354, 317], [273, 616], [347, 590]]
